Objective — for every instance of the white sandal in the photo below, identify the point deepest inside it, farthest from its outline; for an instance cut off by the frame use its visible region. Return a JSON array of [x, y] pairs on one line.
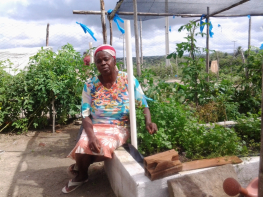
[[70, 184]]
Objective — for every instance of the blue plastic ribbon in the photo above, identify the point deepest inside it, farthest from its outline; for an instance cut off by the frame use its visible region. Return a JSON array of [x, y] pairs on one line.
[[86, 29], [147, 98], [248, 16], [115, 19], [261, 47], [202, 26], [219, 25], [170, 29]]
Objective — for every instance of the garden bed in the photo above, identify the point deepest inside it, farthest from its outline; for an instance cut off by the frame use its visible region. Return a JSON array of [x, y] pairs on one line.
[[127, 176]]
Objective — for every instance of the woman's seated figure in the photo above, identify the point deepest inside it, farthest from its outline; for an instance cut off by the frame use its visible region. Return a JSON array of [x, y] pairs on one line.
[[105, 116]]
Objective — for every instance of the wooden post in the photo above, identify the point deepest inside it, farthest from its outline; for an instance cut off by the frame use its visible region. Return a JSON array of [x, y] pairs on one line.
[[103, 22], [167, 61], [217, 65], [136, 38], [207, 45], [141, 41], [111, 39], [260, 181], [47, 34], [249, 33], [53, 113]]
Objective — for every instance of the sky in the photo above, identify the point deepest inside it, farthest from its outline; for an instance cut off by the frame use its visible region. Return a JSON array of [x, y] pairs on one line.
[[23, 25]]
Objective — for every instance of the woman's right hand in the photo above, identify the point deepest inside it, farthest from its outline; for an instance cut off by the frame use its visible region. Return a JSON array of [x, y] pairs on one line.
[[94, 144]]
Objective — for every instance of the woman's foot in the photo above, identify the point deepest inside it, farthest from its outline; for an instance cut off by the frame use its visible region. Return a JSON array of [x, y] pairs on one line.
[[73, 184]]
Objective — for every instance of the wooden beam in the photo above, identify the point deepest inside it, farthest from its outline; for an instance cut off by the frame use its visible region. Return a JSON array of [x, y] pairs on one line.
[[118, 5], [136, 37], [47, 35], [228, 8], [219, 15], [207, 45], [163, 14], [103, 22]]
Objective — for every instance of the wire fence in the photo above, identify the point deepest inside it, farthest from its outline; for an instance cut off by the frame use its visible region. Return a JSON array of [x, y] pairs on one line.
[[20, 39]]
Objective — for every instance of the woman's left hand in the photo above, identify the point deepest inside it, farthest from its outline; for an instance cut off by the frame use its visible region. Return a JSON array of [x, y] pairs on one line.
[[151, 127]]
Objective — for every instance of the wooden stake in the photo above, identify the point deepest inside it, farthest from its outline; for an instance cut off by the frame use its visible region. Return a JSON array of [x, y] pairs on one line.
[[111, 39], [136, 38], [53, 113], [47, 34], [207, 45], [217, 65], [260, 181], [249, 34], [103, 22], [141, 41]]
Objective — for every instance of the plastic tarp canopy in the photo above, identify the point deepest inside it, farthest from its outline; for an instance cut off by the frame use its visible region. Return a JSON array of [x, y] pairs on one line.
[[190, 7]]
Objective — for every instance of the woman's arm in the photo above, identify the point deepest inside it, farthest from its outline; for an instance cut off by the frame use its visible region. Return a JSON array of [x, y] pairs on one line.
[[150, 126], [94, 144]]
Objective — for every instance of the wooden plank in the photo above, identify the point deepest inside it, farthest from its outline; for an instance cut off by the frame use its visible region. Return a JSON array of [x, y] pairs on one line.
[[205, 163], [163, 166], [164, 173], [150, 162]]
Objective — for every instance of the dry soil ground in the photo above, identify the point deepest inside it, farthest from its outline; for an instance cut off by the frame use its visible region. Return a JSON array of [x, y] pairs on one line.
[[35, 165]]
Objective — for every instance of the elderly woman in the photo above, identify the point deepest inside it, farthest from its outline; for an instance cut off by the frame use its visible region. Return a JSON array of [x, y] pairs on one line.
[[105, 111]]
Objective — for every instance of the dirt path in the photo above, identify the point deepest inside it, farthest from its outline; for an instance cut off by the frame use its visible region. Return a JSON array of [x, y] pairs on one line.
[[35, 165]]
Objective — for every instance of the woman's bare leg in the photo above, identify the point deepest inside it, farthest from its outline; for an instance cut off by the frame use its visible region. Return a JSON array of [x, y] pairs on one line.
[[83, 162]]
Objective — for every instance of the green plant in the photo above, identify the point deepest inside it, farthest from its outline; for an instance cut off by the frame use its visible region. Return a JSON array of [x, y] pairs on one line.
[[50, 77], [178, 129]]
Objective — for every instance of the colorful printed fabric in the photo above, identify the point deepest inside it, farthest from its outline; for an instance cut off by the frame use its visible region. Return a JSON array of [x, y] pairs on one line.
[[110, 106], [110, 137], [109, 110]]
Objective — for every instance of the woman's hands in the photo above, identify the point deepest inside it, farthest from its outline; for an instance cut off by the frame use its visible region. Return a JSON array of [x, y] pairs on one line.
[[94, 144], [151, 127]]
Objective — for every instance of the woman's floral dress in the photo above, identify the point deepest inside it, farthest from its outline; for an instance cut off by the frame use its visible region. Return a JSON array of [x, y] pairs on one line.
[[109, 110]]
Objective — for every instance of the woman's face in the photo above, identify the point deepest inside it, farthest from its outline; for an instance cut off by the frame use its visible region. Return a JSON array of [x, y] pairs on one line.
[[105, 62]]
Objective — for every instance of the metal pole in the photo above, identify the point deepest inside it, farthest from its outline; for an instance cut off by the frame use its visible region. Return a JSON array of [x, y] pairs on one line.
[[136, 38], [207, 45], [127, 28]]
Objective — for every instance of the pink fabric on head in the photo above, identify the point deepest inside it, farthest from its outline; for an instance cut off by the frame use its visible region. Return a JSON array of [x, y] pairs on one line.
[[108, 48]]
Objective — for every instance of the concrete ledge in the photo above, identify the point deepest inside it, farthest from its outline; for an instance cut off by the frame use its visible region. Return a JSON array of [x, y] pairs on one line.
[[128, 180]]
